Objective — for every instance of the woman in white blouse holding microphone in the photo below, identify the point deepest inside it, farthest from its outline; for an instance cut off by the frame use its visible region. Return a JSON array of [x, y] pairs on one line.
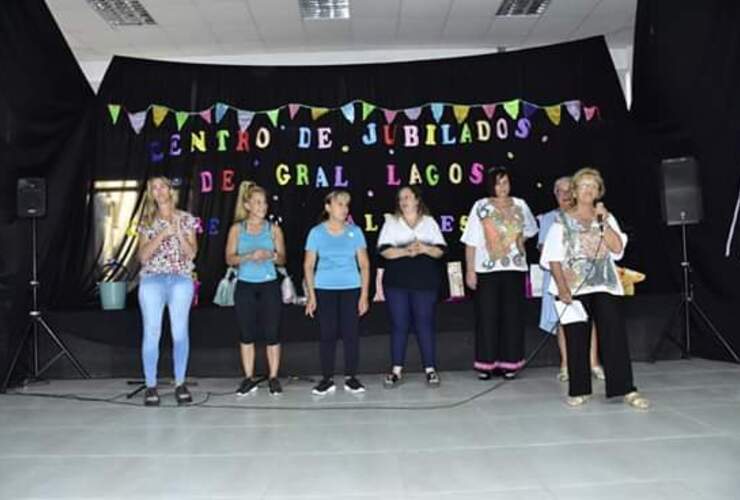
[[580, 250]]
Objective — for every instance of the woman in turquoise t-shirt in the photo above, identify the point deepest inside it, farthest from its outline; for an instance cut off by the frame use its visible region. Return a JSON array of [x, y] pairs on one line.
[[337, 272], [256, 246]]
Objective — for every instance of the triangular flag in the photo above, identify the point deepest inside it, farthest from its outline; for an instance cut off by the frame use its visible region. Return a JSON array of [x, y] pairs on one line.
[[181, 117], [367, 108], [528, 109], [137, 120], [158, 114], [413, 113], [461, 112], [574, 108], [244, 118], [114, 110], [221, 110], [437, 110], [293, 110], [489, 110], [390, 115], [590, 112], [317, 113], [206, 115], [348, 110], [553, 113], [273, 116], [512, 108]]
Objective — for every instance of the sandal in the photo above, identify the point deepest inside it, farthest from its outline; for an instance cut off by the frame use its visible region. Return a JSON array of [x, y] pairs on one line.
[[637, 400], [575, 401], [563, 375], [597, 372]]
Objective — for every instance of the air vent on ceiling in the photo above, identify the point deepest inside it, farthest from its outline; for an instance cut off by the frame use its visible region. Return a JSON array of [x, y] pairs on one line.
[[119, 13], [510, 8], [324, 9]]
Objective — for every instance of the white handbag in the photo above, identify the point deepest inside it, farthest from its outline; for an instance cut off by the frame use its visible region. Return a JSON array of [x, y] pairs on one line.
[[226, 287], [287, 288]]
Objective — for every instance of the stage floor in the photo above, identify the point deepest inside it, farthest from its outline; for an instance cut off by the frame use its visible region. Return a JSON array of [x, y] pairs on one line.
[[518, 441]]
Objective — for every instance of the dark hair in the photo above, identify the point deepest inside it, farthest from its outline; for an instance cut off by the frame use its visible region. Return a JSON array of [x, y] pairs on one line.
[[494, 175], [422, 210]]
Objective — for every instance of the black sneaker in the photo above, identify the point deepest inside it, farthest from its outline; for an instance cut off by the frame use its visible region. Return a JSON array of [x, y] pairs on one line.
[[324, 386], [275, 388], [247, 386], [182, 395], [353, 385], [433, 378], [151, 397], [392, 380]]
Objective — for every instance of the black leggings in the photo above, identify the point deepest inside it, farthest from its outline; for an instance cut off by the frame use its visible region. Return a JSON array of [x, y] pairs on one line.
[[258, 307], [338, 315], [605, 310]]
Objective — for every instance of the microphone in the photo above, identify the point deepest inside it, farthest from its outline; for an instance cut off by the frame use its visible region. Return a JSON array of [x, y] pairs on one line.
[[600, 217]]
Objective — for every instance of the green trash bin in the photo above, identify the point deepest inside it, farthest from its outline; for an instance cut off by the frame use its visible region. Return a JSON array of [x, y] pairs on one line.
[[113, 295]]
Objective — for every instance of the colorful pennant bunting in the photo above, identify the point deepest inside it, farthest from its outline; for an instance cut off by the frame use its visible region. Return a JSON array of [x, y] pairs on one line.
[[553, 113], [273, 116], [512, 108], [159, 113], [367, 108], [461, 112], [114, 110], [221, 110], [413, 114], [348, 110]]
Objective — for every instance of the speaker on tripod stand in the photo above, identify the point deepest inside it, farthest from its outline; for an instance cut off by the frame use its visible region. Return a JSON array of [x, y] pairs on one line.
[[31, 204], [681, 203]]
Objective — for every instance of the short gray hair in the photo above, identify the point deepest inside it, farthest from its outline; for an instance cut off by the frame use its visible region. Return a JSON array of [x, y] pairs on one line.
[[564, 179]]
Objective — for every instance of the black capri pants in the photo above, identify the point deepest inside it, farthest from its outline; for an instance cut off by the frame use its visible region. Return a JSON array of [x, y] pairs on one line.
[[258, 310]]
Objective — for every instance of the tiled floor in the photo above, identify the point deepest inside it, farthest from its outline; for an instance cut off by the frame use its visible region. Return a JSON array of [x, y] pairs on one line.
[[518, 441]]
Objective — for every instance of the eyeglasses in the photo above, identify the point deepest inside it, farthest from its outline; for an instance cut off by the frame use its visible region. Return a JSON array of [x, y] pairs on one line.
[[587, 184]]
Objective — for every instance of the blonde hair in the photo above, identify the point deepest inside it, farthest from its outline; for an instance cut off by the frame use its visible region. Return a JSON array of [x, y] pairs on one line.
[[334, 195], [150, 208], [588, 172], [247, 189]]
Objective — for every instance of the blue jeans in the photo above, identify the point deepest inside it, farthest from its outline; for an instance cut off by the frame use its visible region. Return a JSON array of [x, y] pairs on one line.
[[176, 292], [412, 308]]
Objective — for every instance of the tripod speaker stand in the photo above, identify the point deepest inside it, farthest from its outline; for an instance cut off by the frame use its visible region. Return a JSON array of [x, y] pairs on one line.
[[687, 307], [32, 204], [682, 205]]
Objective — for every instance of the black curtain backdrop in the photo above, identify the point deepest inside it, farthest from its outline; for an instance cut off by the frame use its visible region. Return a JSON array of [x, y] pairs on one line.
[[44, 105], [574, 71], [52, 127], [686, 76]]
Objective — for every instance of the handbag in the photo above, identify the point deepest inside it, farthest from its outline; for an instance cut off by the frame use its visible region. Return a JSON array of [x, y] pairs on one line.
[[225, 290], [287, 288]]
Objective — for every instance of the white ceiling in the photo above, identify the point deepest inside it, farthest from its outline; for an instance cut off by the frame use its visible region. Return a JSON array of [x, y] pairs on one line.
[[212, 28]]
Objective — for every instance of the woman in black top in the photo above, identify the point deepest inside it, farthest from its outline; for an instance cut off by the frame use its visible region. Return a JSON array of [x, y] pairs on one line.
[[412, 244]]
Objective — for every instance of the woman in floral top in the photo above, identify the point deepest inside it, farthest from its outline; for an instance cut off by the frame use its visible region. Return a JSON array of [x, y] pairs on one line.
[[167, 248], [496, 264], [580, 250]]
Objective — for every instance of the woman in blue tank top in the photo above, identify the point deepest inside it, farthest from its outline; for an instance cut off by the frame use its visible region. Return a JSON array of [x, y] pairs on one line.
[[256, 246]]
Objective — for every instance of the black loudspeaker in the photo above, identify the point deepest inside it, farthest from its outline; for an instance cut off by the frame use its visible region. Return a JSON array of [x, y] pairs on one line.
[[31, 197], [681, 191]]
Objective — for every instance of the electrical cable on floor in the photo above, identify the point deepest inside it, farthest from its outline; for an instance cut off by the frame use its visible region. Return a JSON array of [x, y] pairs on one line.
[[202, 403]]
